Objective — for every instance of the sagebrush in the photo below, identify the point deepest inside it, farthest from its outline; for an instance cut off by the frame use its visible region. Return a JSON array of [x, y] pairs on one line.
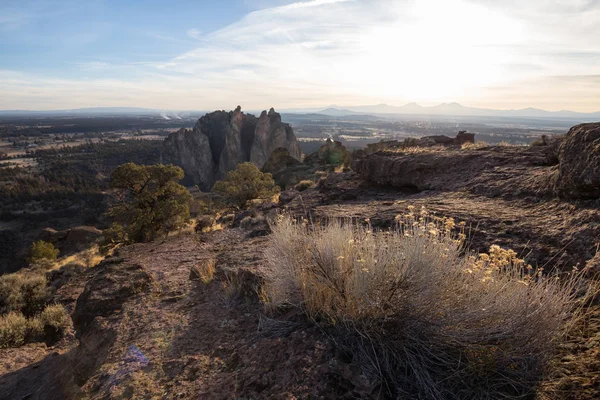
[[419, 313], [25, 292]]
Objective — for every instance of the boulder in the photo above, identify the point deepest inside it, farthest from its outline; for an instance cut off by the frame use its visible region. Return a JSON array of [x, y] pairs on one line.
[[71, 240], [52, 235], [221, 140], [80, 238], [464, 137], [579, 163]]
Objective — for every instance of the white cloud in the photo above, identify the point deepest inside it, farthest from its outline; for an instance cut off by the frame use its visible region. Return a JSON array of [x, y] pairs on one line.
[[320, 52], [194, 33]]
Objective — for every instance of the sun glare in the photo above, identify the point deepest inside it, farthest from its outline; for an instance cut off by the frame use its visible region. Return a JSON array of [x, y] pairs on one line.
[[436, 51]]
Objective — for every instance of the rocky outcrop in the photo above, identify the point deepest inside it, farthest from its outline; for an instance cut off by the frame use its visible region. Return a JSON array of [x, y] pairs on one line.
[[191, 151], [97, 313], [221, 140], [271, 134], [280, 158], [579, 163], [332, 153], [71, 240], [111, 284], [426, 141], [331, 156], [492, 171]]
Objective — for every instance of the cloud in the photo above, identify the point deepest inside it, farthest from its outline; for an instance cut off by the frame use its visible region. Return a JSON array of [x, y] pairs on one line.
[[194, 33], [312, 53], [18, 13]]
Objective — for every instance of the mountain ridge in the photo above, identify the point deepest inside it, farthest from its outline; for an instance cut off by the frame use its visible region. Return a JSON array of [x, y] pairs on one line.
[[456, 109], [412, 108]]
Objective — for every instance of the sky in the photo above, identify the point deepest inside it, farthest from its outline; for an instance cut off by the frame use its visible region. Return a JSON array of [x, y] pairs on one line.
[[206, 54]]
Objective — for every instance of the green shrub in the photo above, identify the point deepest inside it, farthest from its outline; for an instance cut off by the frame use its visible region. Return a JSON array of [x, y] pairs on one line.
[[42, 252], [244, 184], [113, 235], [23, 292], [148, 202]]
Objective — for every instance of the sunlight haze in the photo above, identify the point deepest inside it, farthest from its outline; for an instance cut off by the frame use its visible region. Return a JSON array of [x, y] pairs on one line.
[[197, 55]]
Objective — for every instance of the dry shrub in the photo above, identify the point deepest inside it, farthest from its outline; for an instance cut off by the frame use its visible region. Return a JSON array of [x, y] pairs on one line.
[[242, 284], [304, 185], [474, 146], [16, 329], [25, 292], [204, 223], [56, 317], [416, 313], [205, 272], [13, 330]]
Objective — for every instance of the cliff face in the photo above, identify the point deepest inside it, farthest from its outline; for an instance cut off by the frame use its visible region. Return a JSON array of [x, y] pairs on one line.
[[221, 140], [271, 134]]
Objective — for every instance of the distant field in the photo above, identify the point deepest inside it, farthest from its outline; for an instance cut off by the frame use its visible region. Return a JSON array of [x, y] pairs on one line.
[[19, 154]]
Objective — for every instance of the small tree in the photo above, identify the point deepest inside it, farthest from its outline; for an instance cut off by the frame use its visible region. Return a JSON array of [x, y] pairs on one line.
[[42, 252], [149, 201], [244, 184]]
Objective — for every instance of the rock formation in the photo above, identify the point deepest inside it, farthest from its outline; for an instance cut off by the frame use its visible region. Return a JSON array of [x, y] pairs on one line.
[[71, 240], [579, 163], [221, 140], [279, 159], [426, 141], [332, 153]]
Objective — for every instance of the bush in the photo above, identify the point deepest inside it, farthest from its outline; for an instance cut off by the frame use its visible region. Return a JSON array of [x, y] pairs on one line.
[[114, 234], [303, 185], [417, 314], [149, 202], [244, 184], [23, 292], [55, 321], [17, 330], [42, 252], [204, 222], [13, 330]]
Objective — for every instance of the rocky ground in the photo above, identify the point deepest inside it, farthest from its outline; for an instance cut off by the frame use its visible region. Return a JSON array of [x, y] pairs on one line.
[[147, 327]]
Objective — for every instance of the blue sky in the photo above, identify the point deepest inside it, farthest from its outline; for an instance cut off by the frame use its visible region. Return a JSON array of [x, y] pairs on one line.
[[285, 53]]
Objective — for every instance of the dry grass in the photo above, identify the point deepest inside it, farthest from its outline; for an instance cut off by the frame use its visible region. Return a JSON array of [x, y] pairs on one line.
[[474, 146], [304, 185], [205, 271], [416, 313], [87, 258]]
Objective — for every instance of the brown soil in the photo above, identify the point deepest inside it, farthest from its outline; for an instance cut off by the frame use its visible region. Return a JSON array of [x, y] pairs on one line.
[[201, 340]]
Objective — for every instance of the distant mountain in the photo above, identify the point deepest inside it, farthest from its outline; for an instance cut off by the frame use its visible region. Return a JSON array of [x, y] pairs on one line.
[[383, 110], [337, 112], [456, 109]]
